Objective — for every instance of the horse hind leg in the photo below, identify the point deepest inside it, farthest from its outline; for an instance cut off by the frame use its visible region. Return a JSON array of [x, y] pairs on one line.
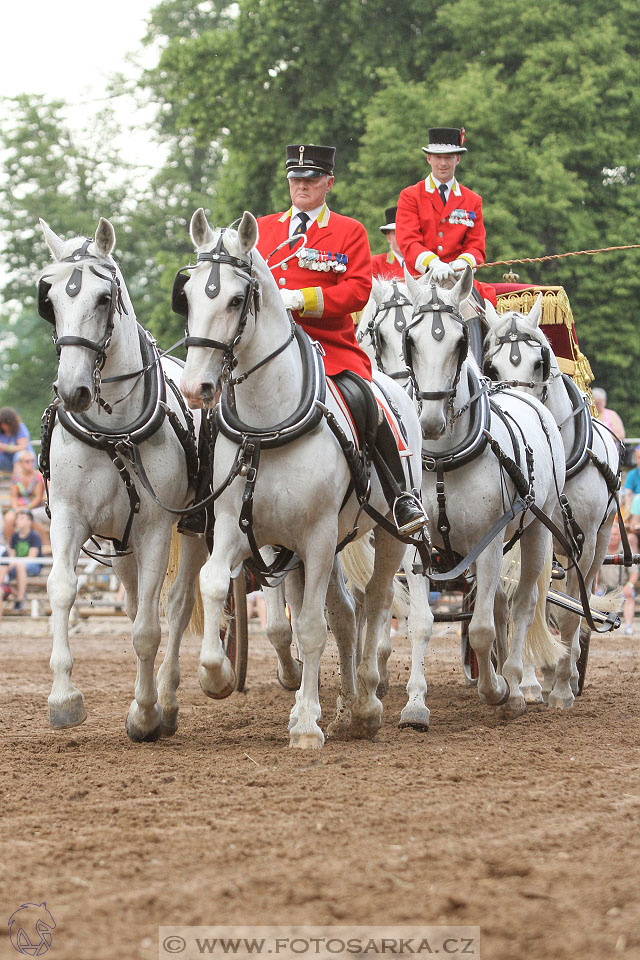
[[342, 623], [66, 703], [182, 596], [367, 708], [279, 633]]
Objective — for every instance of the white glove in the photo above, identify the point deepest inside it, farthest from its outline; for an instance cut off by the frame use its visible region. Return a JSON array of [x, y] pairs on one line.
[[292, 299], [459, 265], [439, 271]]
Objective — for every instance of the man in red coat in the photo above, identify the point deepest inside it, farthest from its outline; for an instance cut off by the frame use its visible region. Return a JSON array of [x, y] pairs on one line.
[[439, 223], [390, 265], [327, 280]]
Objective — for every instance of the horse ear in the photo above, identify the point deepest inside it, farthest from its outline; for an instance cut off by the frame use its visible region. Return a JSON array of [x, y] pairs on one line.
[[247, 232], [412, 285], [54, 242], [105, 239], [199, 229], [464, 286], [535, 314], [377, 290], [491, 315]]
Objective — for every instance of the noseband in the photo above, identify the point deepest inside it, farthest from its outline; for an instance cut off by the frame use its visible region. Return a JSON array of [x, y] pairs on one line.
[[72, 289], [437, 307], [397, 302], [180, 305]]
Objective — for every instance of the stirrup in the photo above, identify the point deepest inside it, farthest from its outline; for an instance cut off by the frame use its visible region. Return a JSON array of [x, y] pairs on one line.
[[413, 523], [194, 525]]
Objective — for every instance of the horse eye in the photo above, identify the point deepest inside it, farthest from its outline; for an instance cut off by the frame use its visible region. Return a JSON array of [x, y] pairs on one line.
[[104, 299], [236, 302]]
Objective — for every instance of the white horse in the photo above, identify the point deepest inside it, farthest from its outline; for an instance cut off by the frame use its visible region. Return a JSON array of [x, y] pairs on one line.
[[84, 296], [299, 487], [516, 349], [469, 485]]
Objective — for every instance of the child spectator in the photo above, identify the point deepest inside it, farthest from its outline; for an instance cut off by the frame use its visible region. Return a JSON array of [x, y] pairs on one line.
[[14, 437], [25, 543], [26, 493]]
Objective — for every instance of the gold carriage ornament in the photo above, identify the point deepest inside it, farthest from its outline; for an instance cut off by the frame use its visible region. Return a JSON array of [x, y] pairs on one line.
[[557, 324]]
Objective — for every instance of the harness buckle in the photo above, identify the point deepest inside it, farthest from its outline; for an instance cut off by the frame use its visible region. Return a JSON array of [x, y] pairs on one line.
[[429, 463]]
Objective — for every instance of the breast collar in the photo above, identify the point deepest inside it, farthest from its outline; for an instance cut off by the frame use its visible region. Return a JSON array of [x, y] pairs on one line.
[[476, 439]]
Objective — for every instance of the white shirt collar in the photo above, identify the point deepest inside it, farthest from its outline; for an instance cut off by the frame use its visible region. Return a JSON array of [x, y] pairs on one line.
[[432, 184], [312, 214]]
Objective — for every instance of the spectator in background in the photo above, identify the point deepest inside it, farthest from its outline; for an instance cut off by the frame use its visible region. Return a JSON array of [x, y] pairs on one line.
[[26, 493], [390, 265], [632, 483], [26, 544], [14, 437], [612, 578], [609, 417]]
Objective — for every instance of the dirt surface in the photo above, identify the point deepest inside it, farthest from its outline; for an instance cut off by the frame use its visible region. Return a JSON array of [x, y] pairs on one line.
[[529, 830]]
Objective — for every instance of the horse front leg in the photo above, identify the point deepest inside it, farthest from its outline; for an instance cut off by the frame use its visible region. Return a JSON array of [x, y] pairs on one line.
[[68, 533], [311, 632], [182, 597], [367, 708], [415, 713], [215, 673], [144, 720]]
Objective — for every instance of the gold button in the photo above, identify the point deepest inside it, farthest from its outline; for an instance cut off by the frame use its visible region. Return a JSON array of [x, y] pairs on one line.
[[440, 233], [443, 220], [440, 247], [282, 281]]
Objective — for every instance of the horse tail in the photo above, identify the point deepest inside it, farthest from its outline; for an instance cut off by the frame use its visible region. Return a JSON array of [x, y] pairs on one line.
[[196, 623], [357, 566], [540, 645]]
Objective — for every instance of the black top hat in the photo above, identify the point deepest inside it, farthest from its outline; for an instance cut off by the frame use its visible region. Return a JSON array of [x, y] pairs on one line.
[[446, 140], [309, 160], [389, 219]]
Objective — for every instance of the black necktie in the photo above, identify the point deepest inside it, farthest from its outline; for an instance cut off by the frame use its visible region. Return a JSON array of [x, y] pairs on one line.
[[442, 190], [303, 219]]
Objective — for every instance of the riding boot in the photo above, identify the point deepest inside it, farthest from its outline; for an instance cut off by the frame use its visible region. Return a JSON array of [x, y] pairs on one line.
[[408, 513]]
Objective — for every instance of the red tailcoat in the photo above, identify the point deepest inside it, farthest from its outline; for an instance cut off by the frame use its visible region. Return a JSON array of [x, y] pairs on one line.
[[426, 229], [386, 266], [330, 297]]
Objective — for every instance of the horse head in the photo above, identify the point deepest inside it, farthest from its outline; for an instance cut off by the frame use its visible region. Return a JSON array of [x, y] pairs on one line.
[[435, 345], [82, 295], [382, 325], [515, 348], [219, 298]]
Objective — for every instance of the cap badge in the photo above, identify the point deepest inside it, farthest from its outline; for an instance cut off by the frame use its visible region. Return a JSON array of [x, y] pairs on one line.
[[301, 160]]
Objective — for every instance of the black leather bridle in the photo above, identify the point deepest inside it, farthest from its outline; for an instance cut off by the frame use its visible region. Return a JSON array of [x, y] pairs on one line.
[[514, 338], [397, 302], [72, 289], [438, 308], [180, 305]]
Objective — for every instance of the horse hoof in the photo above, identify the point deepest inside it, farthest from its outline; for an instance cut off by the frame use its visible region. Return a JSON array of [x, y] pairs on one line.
[[292, 680], [366, 722], [309, 740], [415, 718], [532, 694], [512, 709], [382, 689], [205, 678], [68, 713], [340, 728], [561, 703], [169, 722], [144, 734]]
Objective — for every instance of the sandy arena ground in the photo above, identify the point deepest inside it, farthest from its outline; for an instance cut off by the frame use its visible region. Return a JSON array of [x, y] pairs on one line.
[[529, 830]]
